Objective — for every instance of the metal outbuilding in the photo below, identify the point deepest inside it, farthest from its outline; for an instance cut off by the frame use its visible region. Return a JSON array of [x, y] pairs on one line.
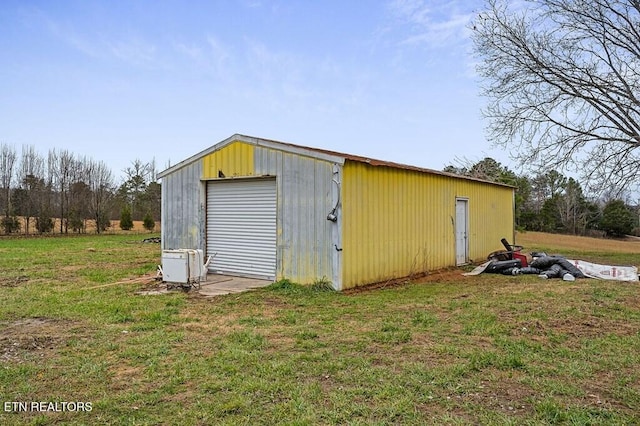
[[274, 210]]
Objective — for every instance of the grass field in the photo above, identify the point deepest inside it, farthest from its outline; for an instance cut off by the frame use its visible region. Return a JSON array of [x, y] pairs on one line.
[[449, 350]]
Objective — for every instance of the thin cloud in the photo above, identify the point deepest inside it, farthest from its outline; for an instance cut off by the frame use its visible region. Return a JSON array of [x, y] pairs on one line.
[[285, 80], [131, 49], [412, 11], [251, 4], [34, 17], [193, 52], [442, 33], [218, 52], [210, 52], [431, 24]]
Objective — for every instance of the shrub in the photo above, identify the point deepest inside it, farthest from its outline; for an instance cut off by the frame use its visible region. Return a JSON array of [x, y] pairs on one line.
[[148, 222], [44, 223], [617, 220], [126, 222], [76, 222], [10, 224], [102, 222]]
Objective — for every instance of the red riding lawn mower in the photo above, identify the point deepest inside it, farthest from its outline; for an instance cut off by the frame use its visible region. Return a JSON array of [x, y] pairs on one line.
[[512, 254]]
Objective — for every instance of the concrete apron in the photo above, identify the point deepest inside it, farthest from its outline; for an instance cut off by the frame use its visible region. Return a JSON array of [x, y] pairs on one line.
[[217, 285]]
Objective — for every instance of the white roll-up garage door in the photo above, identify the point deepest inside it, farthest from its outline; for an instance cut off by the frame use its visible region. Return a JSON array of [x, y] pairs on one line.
[[241, 227]]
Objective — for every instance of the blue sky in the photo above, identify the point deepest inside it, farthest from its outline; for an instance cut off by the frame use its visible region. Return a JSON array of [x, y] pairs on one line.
[[120, 80]]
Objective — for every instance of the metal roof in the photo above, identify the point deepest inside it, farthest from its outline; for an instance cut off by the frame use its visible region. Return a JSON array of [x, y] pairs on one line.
[[324, 154]]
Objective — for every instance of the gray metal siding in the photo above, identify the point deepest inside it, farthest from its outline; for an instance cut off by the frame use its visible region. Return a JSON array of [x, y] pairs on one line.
[[241, 227], [305, 248], [183, 214]]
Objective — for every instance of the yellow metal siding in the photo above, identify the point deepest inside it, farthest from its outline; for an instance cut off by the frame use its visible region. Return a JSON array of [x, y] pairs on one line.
[[401, 222], [235, 159]]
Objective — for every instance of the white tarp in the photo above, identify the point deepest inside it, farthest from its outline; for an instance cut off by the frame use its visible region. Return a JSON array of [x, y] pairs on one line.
[[478, 269], [607, 272]]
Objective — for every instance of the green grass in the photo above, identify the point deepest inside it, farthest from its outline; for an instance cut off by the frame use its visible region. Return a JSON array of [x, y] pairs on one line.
[[454, 350]]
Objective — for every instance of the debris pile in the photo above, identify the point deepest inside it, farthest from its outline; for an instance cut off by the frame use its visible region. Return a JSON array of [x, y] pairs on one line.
[[513, 262]]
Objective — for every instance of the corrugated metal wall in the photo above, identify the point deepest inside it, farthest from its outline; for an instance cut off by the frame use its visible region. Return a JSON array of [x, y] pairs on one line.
[[304, 200], [304, 188], [183, 209], [233, 160], [400, 222]]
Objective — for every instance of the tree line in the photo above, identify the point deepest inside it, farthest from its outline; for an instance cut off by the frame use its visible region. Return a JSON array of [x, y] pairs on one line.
[[73, 189], [552, 202]]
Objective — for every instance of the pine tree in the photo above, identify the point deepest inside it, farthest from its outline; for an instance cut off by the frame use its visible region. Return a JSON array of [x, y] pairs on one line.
[[617, 220], [148, 222], [126, 222]]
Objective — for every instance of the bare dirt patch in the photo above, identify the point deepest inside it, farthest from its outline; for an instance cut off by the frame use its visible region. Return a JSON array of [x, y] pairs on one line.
[[505, 392], [122, 376], [28, 337], [13, 281], [439, 276]]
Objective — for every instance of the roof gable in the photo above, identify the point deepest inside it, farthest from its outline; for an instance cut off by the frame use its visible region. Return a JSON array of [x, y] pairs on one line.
[[317, 153]]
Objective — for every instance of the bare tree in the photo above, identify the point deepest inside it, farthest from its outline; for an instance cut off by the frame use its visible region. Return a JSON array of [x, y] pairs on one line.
[[101, 184], [62, 169], [30, 176], [7, 164], [562, 78], [572, 208], [79, 196], [153, 171]]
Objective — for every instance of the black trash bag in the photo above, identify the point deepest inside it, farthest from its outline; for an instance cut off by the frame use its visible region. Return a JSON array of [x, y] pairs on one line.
[[554, 271], [546, 263], [536, 254], [570, 267], [511, 271], [530, 270], [497, 266], [543, 262]]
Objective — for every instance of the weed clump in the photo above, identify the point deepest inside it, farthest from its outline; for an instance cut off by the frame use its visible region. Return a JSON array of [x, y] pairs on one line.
[[322, 284], [285, 285]]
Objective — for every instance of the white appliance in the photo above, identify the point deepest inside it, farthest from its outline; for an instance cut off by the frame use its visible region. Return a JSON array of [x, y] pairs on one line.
[[184, 266]]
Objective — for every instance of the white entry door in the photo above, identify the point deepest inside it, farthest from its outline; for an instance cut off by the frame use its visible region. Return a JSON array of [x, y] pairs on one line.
[[462, 231], [241, 227]]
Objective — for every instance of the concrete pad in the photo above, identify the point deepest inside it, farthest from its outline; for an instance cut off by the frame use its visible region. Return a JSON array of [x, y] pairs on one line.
[[215, 285], [224, 284]]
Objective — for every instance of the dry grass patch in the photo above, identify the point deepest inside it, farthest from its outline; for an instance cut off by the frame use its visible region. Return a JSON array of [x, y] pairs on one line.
[[540, 239], [26, 338]]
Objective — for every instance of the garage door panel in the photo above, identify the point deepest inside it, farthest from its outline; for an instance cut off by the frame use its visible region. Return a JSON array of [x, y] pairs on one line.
[[241, 227]]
